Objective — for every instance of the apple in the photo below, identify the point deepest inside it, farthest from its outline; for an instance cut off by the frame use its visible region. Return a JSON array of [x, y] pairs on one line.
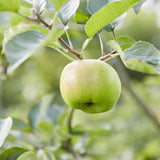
[[90, 85]]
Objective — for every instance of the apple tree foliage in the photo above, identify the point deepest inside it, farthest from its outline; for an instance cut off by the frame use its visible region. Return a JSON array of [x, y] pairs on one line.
[[29, 25]]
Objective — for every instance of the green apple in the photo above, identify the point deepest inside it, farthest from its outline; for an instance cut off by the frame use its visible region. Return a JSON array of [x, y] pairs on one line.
[[90, 85]]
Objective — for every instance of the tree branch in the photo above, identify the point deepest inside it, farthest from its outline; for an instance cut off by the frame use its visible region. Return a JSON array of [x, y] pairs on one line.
[[61, 40], [69, 49], [42, 21], [126, 82], [144, 106]]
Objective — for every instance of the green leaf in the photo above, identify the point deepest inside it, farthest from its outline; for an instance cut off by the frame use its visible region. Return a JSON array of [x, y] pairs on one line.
[[4, 19], [46, 127], [57, 4], [81, 17], [5, 126], [19, 124], [125, 42], [138, 6], [106, 15], [44, 111], [20, 43], [53, 36], [39, 5], [27, 156], [53, 112], [12, 153], [9, 5], [82, 13], [141, 56], [110, 27], [13, 31], [93, 131], [62, 121], [95, 5], [68, 10], [38, 112]]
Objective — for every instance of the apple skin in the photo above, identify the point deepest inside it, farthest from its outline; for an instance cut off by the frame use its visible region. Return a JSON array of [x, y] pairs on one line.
[[90, 85]]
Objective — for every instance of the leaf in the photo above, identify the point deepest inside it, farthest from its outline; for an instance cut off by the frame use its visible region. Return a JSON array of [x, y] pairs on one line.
[[62, 121], [12, 153], [27, 156], [110, 27], [20, 47], [53, 112], [82, 13], [125, 42], [81, 18], [63, 118], [38, 4], [57, 4], [141, 56], [93, 131], [13, 31], [50, 7], [68, 10], [37, 113], [4, 19], [9, 5], [46, 127], [44, 111], [138, 6], [83, 7], [106, 15], [19, 124], [5, 126], [95, 5], [53, 36]]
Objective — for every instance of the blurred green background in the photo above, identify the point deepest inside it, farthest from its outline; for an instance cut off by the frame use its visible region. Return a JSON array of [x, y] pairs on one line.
[[132, 135]]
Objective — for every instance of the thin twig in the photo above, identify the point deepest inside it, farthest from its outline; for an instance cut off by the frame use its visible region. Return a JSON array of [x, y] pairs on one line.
[[61, 40], [29, 18], [84, 46], [65, 54], [42, 21], [69, 49], [53, 20], [101, 44], [111, 54], [68, 37], [114, 35]]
